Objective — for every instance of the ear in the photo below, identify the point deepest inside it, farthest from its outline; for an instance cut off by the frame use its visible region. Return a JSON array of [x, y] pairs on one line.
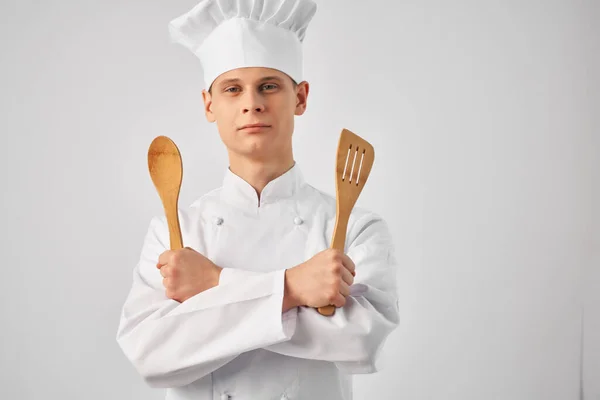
[[207, 97], [301, 97]]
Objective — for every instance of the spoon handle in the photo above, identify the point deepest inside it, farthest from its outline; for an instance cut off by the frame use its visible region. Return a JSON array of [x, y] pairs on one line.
[[173, 223]]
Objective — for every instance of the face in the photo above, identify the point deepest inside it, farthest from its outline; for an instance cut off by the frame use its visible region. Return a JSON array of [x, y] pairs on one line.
[[255, 96]]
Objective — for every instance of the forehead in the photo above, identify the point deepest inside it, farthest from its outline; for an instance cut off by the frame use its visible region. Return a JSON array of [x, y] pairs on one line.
[[249, 75]]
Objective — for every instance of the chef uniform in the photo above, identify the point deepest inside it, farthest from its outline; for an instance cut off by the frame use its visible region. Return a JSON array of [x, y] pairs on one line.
[[232, 341]]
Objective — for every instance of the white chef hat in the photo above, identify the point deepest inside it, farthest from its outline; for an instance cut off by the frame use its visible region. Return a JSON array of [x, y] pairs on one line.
[[230, 34]]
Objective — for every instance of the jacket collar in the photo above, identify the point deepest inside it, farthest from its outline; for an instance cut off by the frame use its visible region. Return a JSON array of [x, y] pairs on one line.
[[237, 191]]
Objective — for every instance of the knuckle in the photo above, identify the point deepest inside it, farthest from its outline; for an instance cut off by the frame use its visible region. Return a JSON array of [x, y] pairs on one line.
[[331, 296], [336, 268], [335, 255], [175, 258], [334, 284]]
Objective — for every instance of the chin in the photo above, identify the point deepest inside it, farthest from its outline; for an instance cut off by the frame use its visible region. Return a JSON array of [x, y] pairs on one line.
[[257, 151], [258, 146]]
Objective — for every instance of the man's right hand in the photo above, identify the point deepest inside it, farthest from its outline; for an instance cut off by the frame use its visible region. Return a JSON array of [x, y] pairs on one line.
[[323, 280]]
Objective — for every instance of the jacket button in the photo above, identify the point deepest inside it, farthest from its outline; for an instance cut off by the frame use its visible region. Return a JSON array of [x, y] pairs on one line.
[[298, 221], [219, 221]]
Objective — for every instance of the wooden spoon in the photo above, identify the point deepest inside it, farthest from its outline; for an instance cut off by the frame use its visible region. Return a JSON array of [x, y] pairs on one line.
[[355, 157], [166, 171]]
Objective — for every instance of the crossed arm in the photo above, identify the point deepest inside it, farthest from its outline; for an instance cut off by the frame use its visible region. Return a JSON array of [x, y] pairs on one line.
[[173, 344]]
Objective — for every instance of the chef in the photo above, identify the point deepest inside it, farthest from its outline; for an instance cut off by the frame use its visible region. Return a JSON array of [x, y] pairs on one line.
[[233, 314]]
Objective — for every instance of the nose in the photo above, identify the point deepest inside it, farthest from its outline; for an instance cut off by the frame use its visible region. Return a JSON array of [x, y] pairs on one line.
[[252, 102]]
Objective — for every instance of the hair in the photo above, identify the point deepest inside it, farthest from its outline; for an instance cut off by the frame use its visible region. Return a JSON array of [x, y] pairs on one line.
[[294, 84]]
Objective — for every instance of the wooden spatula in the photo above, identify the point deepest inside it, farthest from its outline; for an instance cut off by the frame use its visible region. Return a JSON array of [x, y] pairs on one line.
[[166, 171], [354, 160]]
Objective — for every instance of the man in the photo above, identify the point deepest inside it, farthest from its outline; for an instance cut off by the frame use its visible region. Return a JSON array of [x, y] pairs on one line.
[[232, 316]]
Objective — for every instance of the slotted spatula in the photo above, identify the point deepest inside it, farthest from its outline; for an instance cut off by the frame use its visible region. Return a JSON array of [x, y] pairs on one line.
[[354, 160], [166, 171]]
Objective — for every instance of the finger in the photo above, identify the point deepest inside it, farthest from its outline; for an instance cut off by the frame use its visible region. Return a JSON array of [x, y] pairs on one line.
[[165, 257], [344, 289], [164, 271], [339, 300], [347, 277], [188, 248], [348, 263]]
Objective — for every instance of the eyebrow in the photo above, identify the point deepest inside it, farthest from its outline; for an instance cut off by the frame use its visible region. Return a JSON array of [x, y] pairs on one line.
[[236, 80]]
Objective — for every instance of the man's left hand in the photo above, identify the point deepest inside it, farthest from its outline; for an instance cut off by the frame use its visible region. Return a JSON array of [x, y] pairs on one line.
[[187, 273]]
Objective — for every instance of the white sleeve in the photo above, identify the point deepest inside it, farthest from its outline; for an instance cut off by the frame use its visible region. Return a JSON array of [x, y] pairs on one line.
[[354, 335], [173, 344]]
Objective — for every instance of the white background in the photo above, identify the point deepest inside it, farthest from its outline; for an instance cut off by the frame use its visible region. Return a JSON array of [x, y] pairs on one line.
[[485, 119]]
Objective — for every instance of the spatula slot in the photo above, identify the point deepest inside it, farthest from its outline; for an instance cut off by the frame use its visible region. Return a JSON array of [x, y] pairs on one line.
[[353, 164], [346, 165], [362, 157]]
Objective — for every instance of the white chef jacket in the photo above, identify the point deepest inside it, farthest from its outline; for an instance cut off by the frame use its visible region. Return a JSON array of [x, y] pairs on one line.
[[233, 341]]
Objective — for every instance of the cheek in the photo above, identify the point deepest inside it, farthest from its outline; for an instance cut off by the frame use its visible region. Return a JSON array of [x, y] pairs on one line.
[[226, 126], [225, 118], [290, 115], [286, 111]]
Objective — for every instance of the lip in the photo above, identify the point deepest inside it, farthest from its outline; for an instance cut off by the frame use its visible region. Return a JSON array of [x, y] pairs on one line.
[[250, 126]]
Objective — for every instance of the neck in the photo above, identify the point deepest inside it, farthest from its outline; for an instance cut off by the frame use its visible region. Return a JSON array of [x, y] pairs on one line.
[[260, 172]]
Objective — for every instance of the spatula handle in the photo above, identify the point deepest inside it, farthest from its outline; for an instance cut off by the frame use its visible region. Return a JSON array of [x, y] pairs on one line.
[[337, 242]]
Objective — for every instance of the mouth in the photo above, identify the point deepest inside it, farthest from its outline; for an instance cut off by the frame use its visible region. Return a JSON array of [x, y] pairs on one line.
[[254, 126]]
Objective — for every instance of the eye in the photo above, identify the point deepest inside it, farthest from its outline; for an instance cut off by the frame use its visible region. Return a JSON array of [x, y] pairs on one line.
[[230, 89], [268, 86]]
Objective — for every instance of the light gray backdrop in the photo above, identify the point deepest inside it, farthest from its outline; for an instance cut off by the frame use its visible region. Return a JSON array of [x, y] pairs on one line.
[[484, 116]]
